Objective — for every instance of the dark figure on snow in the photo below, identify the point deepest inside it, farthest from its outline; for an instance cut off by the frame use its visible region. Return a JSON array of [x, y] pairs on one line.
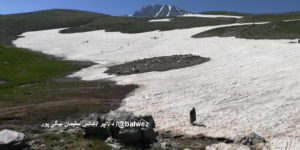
[[193, 116]]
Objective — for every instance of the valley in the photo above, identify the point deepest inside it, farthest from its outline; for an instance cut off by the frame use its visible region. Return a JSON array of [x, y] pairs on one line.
[[245, 78]]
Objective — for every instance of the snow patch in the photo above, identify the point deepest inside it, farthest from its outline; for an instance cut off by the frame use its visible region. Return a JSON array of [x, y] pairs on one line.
[[170, 8], [161, 20], [159, 11], [291, 20], [248, 86], [210, 16]]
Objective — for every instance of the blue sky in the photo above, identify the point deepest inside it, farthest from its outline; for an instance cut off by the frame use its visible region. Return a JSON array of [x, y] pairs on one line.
[[123, 7]]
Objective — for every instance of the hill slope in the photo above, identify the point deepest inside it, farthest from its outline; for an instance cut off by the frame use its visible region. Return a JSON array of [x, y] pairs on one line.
[[271, 17], [13, 25], [81, 21], [225, 13], [138, 25], [273, 30]]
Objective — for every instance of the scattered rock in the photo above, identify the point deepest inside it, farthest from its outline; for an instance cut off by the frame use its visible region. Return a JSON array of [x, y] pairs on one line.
[[166, 146], [26, 85], [170, 135], [292, 42], [120, 116], [31, 142], [224, 146], [12, 140], [124, 126], [74, 131], [181, 141], [2, 82], [130, 136], [253, 140], [21, 70], [113, 143], [98, 131], [3, 62], [150, 120], [149, 136], [156, 64]]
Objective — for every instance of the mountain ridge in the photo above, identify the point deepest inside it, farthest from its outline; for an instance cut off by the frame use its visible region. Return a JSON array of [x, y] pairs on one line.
[[159, 11]]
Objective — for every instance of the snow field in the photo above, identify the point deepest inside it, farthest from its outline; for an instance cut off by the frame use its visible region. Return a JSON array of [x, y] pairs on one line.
[[210, 16], [248, 86]]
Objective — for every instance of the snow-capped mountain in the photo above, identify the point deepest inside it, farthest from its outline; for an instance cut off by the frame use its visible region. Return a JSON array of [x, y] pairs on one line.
[[159, 11]]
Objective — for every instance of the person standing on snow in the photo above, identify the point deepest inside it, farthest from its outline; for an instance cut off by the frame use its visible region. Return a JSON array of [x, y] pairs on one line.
[[193, 116]]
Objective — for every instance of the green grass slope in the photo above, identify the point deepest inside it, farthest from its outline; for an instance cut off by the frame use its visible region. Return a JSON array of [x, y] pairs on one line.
[[81, 21], [225, 13], [13, 25], [274, 30], [138, 25], [23, 71], [270, 17], [19, 66]]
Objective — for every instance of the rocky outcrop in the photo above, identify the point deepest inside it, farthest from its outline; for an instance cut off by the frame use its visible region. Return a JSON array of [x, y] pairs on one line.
[[172, 140], [163, 63], [113, 143], [98, 131], [2, 82], [224, 146], [12, 140], [120, 128], [124, 127], [252, 140]]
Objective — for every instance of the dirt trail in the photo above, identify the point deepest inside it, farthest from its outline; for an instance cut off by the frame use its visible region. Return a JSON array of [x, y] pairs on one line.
[[48, 105], [31, 107]]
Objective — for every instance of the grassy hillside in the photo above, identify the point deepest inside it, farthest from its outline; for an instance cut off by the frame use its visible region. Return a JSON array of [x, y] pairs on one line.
[[278, 28], [137, 25], [13, 25], [22, 71], [19, 66], [225, 13], [274, 30], [270, 17], [33, 89], [80, 21], [32, 85]]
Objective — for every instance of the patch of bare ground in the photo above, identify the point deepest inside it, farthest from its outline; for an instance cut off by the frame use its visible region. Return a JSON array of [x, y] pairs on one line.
[[164, 63], [181, 141], [62, 103]]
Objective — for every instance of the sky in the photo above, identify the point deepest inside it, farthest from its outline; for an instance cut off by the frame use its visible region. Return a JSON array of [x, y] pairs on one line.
[[125, 7]]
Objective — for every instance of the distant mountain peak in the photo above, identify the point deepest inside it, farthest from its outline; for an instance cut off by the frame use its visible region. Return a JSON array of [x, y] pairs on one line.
[[159, 11]]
